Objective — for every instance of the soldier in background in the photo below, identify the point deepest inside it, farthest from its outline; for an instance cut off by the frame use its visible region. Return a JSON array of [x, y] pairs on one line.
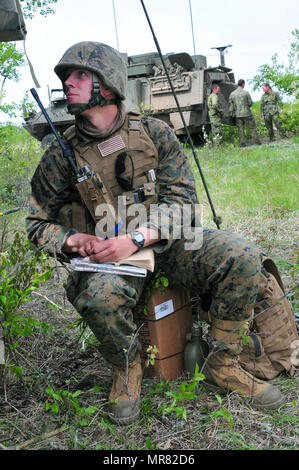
[[215, 113], [270, 103], [240, 103]]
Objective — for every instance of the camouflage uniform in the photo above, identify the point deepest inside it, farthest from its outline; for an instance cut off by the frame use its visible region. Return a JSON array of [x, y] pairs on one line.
[[240, 103], [215, 114], [226, 268], [269, 103]]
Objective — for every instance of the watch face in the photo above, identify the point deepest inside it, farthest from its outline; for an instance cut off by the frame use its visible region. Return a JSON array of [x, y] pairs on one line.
[[137, 238]]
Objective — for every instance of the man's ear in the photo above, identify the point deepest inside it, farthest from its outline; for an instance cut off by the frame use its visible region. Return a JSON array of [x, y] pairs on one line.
[[106, 92]]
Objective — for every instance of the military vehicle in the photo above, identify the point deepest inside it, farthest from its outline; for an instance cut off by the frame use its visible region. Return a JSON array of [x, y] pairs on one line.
[[192, 81], [149, 91], [12, 24], [38, 127]]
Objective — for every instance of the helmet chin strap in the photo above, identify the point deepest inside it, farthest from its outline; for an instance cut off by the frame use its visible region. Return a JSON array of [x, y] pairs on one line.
[[96, 99]]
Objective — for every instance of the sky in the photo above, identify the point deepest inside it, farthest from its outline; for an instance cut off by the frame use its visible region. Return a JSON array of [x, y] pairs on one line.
[[255, 29]]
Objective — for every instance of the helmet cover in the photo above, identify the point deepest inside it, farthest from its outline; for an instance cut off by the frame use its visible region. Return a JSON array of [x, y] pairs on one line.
[[101, 59]]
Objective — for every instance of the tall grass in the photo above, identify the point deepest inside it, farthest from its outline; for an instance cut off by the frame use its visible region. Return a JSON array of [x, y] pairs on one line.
[[19, 156], [246, 182]]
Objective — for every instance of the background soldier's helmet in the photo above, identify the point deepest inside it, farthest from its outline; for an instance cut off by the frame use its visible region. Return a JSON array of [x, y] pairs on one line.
[[105, 63]]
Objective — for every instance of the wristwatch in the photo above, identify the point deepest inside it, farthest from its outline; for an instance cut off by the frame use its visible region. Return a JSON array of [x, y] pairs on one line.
[[138, 239]]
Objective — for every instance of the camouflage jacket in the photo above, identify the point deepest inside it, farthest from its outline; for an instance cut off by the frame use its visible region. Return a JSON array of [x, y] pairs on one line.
[[269, 103], [240, 103], [214, 106], [53, 185]]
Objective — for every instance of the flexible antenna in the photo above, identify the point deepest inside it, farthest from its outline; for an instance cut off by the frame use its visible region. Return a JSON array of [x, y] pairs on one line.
[[115, 25], [190, 7], [216, 219], [31, 67]]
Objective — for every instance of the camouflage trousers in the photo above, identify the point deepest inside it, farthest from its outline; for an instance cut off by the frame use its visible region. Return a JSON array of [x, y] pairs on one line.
[[226, 268], [248, 121], [217, 133], [269, 120]]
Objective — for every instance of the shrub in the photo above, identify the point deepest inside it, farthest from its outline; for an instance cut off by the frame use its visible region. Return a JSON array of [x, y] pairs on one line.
[[20, 154], [22, 270]]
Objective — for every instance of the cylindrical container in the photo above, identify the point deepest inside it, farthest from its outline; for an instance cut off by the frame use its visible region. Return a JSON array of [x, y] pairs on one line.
[[196, 350]]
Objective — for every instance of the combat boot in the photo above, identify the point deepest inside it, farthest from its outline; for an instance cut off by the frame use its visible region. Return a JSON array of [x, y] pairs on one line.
[[125, 393], [223, 368]]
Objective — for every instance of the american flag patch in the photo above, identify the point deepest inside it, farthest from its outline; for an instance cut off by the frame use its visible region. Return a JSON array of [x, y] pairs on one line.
[[111, 145]]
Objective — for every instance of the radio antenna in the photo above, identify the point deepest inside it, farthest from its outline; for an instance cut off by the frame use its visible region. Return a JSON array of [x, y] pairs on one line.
[[216, 219], [115, 25], [190, 7]]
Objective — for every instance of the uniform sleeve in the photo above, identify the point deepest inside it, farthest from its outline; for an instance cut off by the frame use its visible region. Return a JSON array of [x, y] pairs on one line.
[[50, 190], [279, 101], [176, 185], [262, 105], [249, 100], [231, 106]]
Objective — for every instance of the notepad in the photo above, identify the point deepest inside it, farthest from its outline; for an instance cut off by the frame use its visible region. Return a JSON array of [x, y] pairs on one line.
[[135, 265]]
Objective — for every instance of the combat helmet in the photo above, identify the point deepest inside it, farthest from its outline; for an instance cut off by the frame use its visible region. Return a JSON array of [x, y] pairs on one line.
[[104, 62]]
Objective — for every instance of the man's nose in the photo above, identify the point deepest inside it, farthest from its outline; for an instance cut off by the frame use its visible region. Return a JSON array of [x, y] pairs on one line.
[[70, 80]]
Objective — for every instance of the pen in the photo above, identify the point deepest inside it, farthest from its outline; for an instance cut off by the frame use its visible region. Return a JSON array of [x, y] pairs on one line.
[[117, 226]]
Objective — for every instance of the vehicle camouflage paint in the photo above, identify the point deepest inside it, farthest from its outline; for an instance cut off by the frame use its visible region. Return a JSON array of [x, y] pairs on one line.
[[149, 92]]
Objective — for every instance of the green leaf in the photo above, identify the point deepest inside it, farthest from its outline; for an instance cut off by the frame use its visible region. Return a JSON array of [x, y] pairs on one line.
[[219, 399], [55, 408], [90, 410], [47, 406]]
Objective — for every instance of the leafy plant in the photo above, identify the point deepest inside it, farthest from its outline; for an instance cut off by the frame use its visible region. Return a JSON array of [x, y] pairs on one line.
[[151, 355], [149, 445], [22, 270], [159, 280], [146, 111], [223, 413], [30, 7], [242, 334], [67, 401], [284, 78], [10, 60], [187, 391]]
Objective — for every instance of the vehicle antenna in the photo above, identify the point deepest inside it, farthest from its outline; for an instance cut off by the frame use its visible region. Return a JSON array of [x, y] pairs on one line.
[[115, 25], [216, 219], [190, 7]]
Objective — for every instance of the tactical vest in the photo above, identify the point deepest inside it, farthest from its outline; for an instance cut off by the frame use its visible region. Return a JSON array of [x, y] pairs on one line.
[[131, 150]]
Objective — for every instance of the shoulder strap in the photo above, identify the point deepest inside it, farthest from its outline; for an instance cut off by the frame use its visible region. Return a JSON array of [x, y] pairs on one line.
[[70, 133], [134, 123]]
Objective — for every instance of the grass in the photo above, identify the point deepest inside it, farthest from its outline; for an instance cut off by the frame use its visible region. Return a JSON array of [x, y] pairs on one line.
[[250, 180], [254, 190], [20, 154]]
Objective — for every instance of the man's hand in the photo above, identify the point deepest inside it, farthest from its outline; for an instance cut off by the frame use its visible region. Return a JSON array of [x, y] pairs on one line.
[[98, 249], [79, 243], [113, 249]]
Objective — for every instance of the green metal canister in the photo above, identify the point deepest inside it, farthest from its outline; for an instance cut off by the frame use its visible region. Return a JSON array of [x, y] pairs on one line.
[[196, 350]]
